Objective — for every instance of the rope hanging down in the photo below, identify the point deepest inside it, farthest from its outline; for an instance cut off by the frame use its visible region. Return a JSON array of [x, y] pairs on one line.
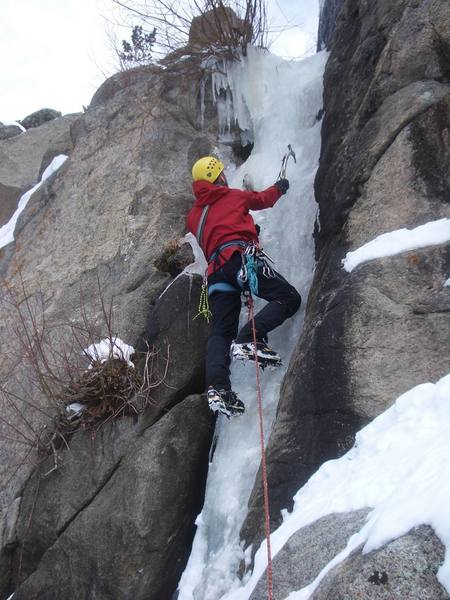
[[263, 455]]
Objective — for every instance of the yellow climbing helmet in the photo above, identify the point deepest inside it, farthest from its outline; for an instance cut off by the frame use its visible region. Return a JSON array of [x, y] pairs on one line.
[[207, 168]]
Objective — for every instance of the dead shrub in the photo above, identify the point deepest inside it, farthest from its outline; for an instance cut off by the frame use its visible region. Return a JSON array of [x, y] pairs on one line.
[[59, 381]]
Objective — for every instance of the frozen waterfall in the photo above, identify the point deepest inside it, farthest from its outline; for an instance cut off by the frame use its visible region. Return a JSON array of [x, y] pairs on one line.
[[276, 103]]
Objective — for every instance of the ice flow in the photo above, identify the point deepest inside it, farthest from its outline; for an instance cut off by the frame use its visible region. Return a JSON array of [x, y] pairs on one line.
[[275, 103]]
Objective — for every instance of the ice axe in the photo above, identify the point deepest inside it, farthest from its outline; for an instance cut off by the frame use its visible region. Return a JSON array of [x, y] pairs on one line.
[[284, 161]]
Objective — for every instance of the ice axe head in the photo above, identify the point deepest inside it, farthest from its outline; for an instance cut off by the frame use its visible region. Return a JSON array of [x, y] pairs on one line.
[[284, 161], [291, 153]]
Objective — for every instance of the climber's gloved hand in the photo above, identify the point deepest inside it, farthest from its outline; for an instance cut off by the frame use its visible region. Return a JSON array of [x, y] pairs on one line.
[[282, 185]]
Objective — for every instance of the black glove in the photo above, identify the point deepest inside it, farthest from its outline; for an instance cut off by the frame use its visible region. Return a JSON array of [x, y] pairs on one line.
[[282, 185]]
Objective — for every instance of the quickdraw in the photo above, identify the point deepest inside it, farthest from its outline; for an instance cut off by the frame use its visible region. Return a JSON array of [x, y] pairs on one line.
[[203, 305], [252, 258]]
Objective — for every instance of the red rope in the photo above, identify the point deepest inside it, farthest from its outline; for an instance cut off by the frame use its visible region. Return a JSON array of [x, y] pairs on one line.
[[263, 459]]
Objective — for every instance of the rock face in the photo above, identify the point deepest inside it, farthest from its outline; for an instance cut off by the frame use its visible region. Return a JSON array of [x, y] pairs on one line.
[[96, 235], [327, 22], [116, 519], [99, 522], [374, 333], [23, 159], [307, 552], [404, 569]]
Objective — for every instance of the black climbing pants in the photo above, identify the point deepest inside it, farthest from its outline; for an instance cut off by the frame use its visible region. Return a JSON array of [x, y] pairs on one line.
[[283, 302]]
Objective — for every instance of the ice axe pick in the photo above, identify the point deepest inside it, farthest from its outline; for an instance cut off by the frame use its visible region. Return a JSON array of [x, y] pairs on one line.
[[284, 161]]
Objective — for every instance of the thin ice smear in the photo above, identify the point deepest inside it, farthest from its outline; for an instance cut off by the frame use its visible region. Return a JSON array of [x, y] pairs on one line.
[[276, 102]]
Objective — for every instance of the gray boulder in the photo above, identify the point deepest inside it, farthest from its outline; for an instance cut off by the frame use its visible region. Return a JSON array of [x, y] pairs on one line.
[[216, 29], [121, 81], [40, 117], [404, 569], [8, 131], [117, 522]]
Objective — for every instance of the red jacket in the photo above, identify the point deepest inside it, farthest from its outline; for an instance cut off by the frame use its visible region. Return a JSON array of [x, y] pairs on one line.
[[228, 217]]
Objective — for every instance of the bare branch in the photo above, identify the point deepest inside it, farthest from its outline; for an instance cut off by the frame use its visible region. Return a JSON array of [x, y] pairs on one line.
[[200, 28]]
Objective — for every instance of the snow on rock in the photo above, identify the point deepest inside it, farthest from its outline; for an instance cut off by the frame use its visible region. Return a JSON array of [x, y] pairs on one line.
[[398, 466], [394, 242], [447, 283], [15, 124], [7, 231], [74, 409], [110, 348]]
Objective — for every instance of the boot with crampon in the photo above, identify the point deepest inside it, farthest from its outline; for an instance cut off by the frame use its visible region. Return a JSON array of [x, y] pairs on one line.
[[225, 402]]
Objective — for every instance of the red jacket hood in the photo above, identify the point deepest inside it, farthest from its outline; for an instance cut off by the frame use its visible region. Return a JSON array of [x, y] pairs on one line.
[[208, 193]]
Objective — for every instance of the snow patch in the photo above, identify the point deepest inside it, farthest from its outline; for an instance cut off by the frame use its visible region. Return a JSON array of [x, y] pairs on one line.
[[398, 466], [401, 240], [16, 124], [447, 283], [7, 231], [74, 409], [110, 348]]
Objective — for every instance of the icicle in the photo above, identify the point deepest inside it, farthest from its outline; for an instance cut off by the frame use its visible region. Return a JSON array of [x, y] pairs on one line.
[[202, 102]]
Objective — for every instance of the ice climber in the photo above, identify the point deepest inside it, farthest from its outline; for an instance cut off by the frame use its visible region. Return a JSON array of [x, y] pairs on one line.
[[227, 234]]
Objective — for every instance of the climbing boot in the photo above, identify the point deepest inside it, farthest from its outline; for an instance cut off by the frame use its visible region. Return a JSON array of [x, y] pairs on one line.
[[266, 356], [225, 402]]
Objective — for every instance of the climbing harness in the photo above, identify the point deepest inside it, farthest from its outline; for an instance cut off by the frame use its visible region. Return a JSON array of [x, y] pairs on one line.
[[249, 302], [203, 306], [284, 161], [253, 257], [218, 251]]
